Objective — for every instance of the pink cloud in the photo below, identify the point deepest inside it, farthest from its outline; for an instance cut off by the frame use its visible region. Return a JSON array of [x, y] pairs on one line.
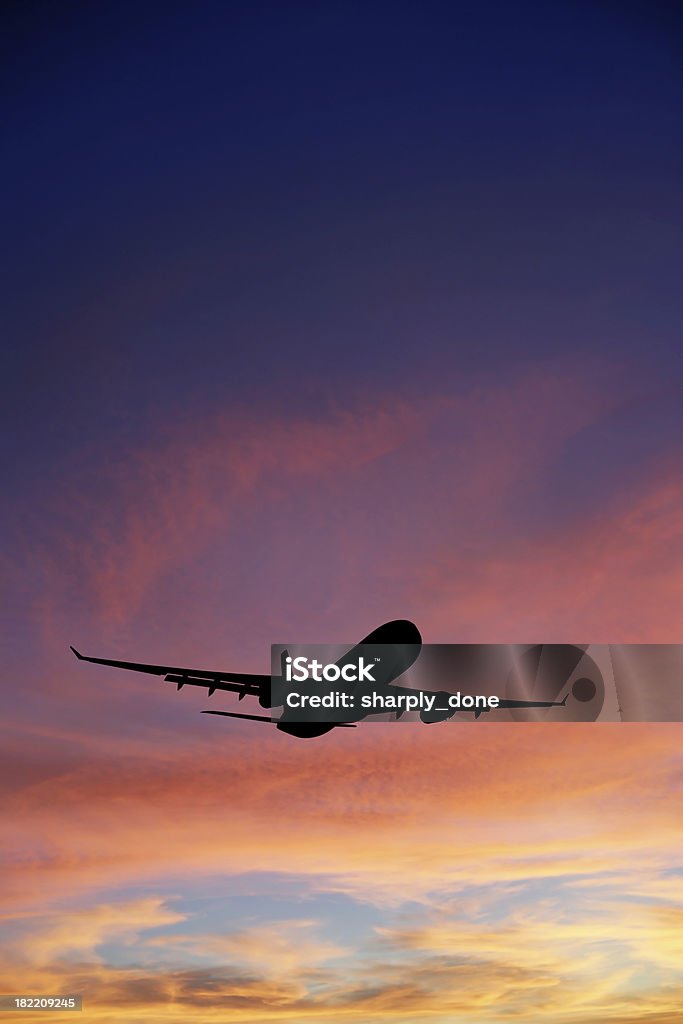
[[616, 578]]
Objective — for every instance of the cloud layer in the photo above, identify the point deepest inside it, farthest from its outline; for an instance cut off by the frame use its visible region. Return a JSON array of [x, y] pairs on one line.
[[175, 867]]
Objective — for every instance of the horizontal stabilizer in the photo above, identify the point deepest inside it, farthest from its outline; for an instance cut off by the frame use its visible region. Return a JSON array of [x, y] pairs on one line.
[[234, 714], [263, 718]]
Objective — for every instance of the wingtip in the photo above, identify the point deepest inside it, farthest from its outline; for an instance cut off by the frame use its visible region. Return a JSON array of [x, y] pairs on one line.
[[79, 656]]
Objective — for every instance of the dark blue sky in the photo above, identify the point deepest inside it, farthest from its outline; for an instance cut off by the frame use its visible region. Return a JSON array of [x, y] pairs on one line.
[[282, 204]]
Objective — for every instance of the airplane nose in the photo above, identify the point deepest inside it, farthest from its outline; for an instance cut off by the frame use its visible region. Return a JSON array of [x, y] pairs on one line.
[[398, 631], [410, 634]]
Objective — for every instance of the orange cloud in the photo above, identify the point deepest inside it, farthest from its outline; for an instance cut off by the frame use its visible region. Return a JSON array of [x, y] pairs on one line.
[[80, 932], [442, 806], [532, 968], [522, 872]]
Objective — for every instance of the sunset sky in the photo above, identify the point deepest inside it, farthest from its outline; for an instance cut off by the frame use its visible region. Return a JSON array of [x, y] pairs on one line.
[[319, 315]]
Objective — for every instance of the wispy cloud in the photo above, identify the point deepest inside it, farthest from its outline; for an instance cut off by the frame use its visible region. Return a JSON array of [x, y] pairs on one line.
[[518, 872]]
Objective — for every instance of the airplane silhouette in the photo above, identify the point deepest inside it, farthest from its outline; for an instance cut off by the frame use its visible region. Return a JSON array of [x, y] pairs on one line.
[[400, 643]]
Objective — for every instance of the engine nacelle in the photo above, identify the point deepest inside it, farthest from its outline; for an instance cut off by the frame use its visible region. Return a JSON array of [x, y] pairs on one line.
[[440, 711]]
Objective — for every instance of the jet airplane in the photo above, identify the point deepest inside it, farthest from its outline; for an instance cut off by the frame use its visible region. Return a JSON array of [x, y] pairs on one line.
[[399, 642]]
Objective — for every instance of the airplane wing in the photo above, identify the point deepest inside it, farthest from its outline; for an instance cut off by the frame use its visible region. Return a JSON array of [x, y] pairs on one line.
[[438, 712], [522, 704], [531, 703], [243, 683]]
